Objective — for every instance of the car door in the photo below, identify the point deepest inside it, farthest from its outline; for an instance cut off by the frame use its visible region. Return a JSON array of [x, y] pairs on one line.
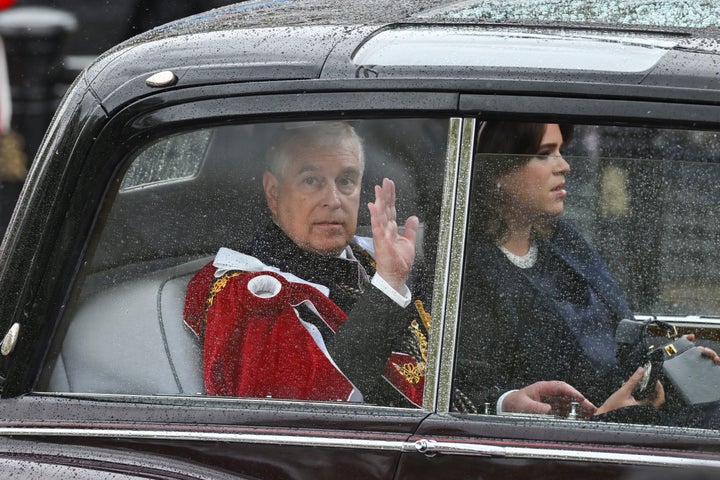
[[144, 200], [629, 192]]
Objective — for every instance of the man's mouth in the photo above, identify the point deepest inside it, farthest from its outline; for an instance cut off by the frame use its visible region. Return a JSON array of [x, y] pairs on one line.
[[328, 223]]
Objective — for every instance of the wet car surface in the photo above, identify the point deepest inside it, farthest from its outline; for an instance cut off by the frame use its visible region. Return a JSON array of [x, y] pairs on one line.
[[154, 161]]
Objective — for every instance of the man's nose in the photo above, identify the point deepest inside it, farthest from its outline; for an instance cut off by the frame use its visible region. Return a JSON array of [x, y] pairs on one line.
[[331, 196]]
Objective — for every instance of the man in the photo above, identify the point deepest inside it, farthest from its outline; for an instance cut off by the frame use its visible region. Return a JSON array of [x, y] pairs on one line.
[[312, 188]]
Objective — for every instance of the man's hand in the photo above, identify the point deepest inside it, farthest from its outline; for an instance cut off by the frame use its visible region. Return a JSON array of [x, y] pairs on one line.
[[623, 396], [549, 397], [394, 253]]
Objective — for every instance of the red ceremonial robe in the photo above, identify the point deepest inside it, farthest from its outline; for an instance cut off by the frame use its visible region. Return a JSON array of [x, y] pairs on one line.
[[256, 345]]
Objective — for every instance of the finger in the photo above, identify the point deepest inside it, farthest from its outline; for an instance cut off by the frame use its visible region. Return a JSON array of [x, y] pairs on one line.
[[690, 336], [389, 187], [382, 194], [710, 353], [385, 199], [657, 399], [538, 407], [411, 228], [633, 381], [376, 219], [587, 409]]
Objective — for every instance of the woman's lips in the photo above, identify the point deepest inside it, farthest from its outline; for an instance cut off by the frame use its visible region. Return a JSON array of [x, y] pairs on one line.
[[560, 191]]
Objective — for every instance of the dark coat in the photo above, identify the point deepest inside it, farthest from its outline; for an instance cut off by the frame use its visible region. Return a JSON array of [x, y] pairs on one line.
[[512, 335]]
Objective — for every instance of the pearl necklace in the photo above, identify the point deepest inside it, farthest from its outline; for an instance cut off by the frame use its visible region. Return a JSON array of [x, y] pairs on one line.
[[522, 261]]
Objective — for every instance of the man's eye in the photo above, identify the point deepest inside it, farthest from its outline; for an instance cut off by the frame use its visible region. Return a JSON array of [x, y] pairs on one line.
[[310, 181], [346, 185]]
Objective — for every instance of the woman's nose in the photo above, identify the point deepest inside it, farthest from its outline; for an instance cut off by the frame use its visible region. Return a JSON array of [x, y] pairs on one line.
[[561, 166]]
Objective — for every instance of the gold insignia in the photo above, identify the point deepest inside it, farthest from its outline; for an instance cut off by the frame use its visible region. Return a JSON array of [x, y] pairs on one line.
[[412, 373], [218, 285]]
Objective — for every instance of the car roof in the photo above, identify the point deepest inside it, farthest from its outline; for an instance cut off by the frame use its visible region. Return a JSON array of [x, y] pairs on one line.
[[422, 40]]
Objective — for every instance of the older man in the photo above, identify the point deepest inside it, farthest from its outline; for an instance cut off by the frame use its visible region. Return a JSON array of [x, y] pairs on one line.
[[312, 187]]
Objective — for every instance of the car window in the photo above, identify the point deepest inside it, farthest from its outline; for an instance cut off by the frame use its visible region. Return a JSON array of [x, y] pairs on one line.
[[572, 230], [667, 13], [236, 281], [172, 158]]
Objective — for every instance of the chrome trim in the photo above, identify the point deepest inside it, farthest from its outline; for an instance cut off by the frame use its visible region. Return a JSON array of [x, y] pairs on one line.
[[688, 320], [442, 267], [428, 447], [186, 435], [452, 279], [166, 78], [458, 448]]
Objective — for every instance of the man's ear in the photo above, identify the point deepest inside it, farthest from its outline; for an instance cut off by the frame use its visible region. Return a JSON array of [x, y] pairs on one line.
[[270, 186]]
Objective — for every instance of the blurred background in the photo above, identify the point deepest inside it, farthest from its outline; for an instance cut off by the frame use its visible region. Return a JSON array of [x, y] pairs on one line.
[[45, 45]]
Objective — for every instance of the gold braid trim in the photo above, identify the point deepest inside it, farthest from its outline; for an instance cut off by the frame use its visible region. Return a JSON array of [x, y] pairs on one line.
[[414, 372], [216, 287], [424, 315]]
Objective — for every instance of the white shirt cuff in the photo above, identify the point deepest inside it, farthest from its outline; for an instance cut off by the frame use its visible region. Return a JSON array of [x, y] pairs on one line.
[[498, 407], [403, 299]]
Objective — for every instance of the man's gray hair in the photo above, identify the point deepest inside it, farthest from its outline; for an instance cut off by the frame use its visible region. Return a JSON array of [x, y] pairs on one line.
[[311, 134]]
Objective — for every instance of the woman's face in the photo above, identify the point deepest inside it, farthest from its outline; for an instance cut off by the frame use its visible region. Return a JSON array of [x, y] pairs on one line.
[[537, 189]]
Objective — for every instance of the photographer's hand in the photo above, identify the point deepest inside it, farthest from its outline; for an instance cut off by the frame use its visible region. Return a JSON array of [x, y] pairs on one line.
[[623, 396]]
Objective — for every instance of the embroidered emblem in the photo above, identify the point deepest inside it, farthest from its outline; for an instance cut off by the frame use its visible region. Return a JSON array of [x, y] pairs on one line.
[[412, 373]]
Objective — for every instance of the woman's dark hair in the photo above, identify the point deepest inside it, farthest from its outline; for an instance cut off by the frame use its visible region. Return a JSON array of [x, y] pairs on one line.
[[502, 147]]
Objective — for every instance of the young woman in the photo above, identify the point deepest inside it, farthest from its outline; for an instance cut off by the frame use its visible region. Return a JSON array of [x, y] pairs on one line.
[[540, 308]]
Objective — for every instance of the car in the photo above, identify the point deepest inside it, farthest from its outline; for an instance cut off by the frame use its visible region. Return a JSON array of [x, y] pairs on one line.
[[154, 161]]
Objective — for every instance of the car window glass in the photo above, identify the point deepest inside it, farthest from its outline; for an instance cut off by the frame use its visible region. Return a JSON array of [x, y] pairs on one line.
[[231, 282], [620, 223], [668, 13], [173, 158]]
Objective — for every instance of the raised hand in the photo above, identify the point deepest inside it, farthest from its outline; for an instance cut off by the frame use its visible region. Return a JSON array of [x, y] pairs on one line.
[[394, 252]]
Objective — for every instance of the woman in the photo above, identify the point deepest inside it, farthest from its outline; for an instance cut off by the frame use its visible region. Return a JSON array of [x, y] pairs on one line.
[[539, 303]]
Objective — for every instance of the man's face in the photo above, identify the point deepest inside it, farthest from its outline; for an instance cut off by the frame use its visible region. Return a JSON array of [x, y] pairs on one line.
[[317, 199]]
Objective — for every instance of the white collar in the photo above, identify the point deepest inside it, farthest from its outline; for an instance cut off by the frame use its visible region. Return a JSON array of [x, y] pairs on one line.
[[227, 260], [522, 261]]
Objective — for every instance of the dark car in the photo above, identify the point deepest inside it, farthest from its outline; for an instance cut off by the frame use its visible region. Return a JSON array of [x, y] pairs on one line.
[[155, 160]]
